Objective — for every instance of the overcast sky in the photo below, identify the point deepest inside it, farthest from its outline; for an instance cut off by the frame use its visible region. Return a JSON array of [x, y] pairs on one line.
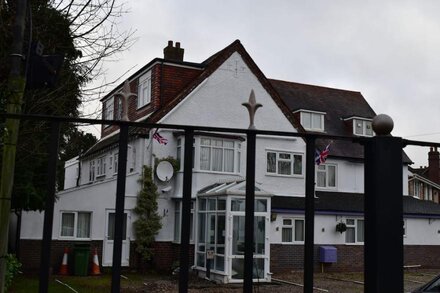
[[387, 50]]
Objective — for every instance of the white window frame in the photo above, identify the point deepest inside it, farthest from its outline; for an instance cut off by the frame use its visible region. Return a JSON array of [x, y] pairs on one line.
[[292, 226], [92, 174], [119, 107], [319, 128], [354, 226], [178, 222], [75, 224], [115, 163], [291, 160], [366, 124], [144, 90], [108, 113], [326, 171], [101, 166]]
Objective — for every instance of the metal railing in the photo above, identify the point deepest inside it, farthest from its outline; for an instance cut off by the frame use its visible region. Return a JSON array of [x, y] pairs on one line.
[[383, 201]]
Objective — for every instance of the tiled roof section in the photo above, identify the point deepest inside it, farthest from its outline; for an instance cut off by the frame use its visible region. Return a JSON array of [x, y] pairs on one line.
[[340, 202], [213, 63], [336, 103]]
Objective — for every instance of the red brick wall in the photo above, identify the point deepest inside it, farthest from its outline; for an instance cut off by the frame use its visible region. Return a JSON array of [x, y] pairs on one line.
[[350, 257], [175, 79], [166, 82], [30, 251]]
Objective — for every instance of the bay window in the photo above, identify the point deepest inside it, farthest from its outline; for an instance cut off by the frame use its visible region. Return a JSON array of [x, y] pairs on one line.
[[213, 154]]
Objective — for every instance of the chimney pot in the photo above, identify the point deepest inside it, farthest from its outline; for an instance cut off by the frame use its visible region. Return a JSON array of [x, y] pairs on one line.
[[173, 53], [434, 165]]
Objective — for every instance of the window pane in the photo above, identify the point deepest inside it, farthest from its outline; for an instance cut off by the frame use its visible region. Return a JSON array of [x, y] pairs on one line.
[[238, 235], [349, 235], [331, 176], [111, 227], [359, 129], [320, 180], [83, 225], [177, 222], [205, 141], [221, 205], [271, 161], [286, 235], [299, 230], [211, 228], [306, 120], [316, 121], [221, 229], [297, 164], [285, 167], [67, 223], [287, 222], [217, 142], [205, 158], [229, 160], [350, 221], [211, 204], [220, 263], [238, 205], [260, 205], [217, 159], [368, 128], [228, 144], [360, 230], [259, 234], [202, 223], [202, 204]]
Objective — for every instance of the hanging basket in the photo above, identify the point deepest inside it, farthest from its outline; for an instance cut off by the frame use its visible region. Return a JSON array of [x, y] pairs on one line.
[[341, 227]]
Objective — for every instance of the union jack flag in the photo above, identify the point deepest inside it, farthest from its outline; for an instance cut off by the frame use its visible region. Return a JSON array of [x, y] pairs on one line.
[[160, 139], [320, 157]]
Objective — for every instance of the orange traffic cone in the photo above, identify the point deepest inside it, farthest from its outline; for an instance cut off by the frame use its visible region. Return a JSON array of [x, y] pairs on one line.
[[64, 269], [95, 265]]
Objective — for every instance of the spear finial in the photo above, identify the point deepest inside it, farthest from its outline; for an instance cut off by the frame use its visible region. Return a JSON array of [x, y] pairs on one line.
[[252, 107]]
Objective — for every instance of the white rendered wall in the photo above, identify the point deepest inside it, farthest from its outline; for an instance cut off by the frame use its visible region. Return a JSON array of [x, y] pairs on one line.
[[70, 173]]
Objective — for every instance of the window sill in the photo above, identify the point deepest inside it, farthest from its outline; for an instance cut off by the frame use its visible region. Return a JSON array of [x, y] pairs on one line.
[[74, 238], [285, 176], [143, 106], [214, 172]]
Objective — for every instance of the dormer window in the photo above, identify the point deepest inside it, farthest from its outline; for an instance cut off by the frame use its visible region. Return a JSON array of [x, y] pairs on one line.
[[144, 89], [362, 127], [313, 121]]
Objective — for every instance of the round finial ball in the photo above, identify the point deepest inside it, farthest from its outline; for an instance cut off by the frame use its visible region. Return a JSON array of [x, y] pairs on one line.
[[383, 124]]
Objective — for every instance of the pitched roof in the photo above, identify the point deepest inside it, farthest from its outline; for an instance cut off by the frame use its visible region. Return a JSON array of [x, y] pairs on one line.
[[337, 104], [213, 63], [341, 202]]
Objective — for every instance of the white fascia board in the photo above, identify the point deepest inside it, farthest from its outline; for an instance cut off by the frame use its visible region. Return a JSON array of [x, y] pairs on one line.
[[358, 118], [424, 180], [309, 111]]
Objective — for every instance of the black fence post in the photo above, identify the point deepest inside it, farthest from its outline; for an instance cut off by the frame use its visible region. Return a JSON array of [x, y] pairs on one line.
[[309, 215], [49, 206], [119, 209], [383, 255], [249, 213], [186, 211]]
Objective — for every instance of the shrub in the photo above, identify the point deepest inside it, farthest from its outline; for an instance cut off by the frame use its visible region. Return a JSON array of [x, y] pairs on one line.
[[12, 268]]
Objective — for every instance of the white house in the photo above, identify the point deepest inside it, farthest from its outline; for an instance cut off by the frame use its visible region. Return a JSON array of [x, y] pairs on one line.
[[172, 91]]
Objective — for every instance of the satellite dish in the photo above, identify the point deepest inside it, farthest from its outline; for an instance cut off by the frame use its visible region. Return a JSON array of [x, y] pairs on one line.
[[164, 171]]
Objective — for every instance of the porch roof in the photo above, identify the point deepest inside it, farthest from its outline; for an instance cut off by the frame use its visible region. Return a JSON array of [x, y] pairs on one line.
[[230, 187]]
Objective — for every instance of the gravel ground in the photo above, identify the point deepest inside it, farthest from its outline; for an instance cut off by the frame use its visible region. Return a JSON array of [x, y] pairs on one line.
[[324, 282]]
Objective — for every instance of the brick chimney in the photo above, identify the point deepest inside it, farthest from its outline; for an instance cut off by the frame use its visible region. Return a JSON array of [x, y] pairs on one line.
[[434, 165], [173, 53]]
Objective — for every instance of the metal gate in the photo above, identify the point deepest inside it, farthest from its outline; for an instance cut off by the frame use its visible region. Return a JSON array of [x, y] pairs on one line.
[[382, 201]]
